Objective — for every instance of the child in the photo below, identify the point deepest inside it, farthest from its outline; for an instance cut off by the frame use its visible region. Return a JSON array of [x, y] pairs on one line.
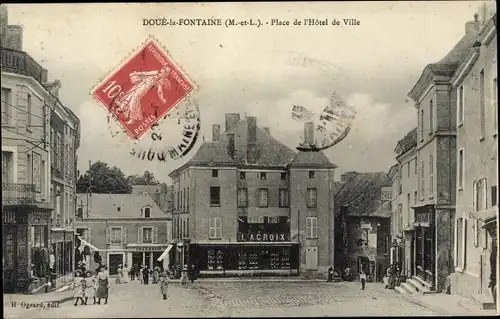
[[78, 286], [164, 281], [362, 278], [90, 287]]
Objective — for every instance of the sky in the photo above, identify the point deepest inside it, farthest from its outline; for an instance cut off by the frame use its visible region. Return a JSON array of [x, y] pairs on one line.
[[253, 71]]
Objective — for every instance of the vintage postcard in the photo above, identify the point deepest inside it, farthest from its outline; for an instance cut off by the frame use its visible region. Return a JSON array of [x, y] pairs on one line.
[[249, 159]]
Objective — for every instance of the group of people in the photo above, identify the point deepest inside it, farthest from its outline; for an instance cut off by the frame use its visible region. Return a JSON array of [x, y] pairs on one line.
[[391, 278], [87, 286]]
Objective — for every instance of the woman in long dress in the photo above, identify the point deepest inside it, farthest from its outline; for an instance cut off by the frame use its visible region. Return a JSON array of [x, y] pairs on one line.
[[130, 102], [126, 272], [102, 285], [141, 278], [119, 275]]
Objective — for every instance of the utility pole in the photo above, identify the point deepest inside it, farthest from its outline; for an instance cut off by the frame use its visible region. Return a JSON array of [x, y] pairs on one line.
[[89, 189]]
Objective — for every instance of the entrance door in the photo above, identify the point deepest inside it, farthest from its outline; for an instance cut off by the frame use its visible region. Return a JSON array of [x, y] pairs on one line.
[[137, 259], [114, 261], [9, 258], [148, 259], [312, 258]]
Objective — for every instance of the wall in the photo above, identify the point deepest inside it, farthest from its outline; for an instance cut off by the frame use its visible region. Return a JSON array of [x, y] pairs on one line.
[[481, 159]]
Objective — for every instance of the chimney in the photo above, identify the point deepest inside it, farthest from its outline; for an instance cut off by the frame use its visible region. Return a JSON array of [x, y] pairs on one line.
[[231, 120], [4, 22], [15, 37], [252, 155], [266, 129], [215, 132], [473, 27], [309, 133], [230, 145]]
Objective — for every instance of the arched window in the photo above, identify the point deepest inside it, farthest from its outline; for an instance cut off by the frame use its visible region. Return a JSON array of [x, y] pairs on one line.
[[147, 212]]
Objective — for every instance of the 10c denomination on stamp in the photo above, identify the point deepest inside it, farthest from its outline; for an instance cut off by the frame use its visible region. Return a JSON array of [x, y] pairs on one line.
[[144, 89]]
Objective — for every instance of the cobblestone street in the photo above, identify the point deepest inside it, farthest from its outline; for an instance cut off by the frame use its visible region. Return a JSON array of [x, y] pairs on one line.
[[214, 299]]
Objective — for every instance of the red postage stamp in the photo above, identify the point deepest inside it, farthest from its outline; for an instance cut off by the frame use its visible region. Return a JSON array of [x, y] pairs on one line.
[[143, 89]]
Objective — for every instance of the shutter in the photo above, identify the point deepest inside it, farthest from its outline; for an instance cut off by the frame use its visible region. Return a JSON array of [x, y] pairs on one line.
[[315, 227], [124, 235], [456, 241], [139, 235], [474, 196], [155, 235], [484, 184], [108, 235], [88, 234], [219, 227], [308, 227], [464, 244]]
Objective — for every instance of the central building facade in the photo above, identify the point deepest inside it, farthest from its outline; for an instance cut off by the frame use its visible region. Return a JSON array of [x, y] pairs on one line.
[[246, 204]]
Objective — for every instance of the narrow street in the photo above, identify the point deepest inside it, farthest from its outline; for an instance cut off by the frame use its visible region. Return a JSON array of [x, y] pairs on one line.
[[237, 299]]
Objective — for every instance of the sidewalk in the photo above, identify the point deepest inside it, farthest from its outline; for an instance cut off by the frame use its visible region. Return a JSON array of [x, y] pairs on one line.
[[452, 305]]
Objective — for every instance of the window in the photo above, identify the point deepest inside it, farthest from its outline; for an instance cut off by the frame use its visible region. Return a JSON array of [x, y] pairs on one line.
[[312, 197], [415, 197], [28, 113], [29, 165], [273, 220], [408, 204], [242, 175], [214, 195], [495, 106], [460, 168], [187, 227], [400, 219], [415, 162], [494, 195], [263, 175], [283, 176], [116, 235], [7, 167], [422, 179], [79, 212], [460, 106], [311, 174], [147, 212], [263, 197], [409, 168], [242, 197], [312, 227], [215, 173], [187, 199], [460, 240], [147, 235], [482, 108], [215, 228], [480, 202], [431, 175], [43, 179], [283, 197], [85, 233], [6, 106], [431, 119], [421, 125]]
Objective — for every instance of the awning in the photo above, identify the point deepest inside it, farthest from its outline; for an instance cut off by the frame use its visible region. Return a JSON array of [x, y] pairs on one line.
[[165, 253], [87, 243]]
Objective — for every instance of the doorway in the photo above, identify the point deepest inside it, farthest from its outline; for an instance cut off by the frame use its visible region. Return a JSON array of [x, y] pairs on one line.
[[114, 261], [312, 258], [9, 258]]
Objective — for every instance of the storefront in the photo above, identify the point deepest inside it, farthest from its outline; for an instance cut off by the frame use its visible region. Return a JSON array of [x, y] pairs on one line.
[[26, 242], [62, 248], [424, 244], [143, 254]]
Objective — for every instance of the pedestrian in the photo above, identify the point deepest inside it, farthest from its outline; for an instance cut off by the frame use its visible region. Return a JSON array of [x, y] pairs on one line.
[[102, 285], [119, 274], [184, 276], [132, 272], [90, 287], [362, 278], [126, 274], [78, 286], [156, 274], [347, 273], [330, 274], [140, 276], [192, 273], [164, 281], [145, 275]]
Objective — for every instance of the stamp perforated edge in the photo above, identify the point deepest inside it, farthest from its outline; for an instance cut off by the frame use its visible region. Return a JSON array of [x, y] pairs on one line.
[[124, 61]]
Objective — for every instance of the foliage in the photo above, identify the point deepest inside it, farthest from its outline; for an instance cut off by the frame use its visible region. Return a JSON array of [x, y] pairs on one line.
[[146, 179], [105, 180]]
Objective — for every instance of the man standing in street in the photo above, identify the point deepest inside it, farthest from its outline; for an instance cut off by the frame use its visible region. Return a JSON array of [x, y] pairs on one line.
[[362, 278]]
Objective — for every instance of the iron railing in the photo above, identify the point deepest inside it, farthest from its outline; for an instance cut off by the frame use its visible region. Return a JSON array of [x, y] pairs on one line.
[[20, 62], [18, 194]]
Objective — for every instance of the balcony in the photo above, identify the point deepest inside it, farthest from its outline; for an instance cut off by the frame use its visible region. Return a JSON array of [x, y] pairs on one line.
[[18, 194], [20, 62]]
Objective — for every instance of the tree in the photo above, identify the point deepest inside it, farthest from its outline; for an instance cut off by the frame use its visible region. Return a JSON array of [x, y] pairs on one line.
[[146, 179], [105, 180]]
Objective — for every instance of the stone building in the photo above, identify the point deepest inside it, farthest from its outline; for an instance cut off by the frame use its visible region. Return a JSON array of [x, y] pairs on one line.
[[246, 204], [475, 87], [363, 207]]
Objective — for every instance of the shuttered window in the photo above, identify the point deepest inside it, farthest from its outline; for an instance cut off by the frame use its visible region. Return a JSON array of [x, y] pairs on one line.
[[215, 228], [312, 227]]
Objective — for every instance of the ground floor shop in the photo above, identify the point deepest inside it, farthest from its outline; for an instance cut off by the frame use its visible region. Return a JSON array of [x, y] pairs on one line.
[[62, 243], [245, 259], [25, 249]]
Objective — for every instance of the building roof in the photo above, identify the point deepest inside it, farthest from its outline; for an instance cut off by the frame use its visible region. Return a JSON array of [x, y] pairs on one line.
[[460, 50], [270, 152], [105, 206], [407, 142], [361, 192], [142, 189]]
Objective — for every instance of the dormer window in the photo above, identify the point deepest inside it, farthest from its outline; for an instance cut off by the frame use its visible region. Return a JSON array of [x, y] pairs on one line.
[[147, 212]]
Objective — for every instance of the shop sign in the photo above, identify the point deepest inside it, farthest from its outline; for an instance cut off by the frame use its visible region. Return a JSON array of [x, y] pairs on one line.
[[263, 237], [150, 249]]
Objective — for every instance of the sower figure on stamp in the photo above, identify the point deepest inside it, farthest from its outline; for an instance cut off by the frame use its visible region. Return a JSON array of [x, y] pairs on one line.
[[130, 102]]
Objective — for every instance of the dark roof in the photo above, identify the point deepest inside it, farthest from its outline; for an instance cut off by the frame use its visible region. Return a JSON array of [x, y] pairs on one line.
[[212, 152], [311, 159], [460, 50], [409, 141], [142, 189], [361, 192], [105, 206]]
